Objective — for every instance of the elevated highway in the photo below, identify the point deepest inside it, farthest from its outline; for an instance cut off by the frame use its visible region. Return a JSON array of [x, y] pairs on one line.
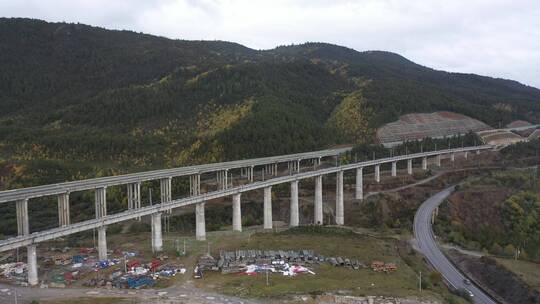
[[196, 198]]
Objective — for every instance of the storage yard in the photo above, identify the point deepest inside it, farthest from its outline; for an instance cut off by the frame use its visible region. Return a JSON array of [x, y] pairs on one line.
[[285, 262], [64, 267]]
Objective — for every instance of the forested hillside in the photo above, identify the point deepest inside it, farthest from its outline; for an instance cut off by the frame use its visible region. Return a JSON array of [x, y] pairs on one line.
[[76, 100]]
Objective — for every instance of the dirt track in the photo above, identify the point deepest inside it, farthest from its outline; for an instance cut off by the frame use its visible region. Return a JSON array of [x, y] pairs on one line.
[[186, 294]]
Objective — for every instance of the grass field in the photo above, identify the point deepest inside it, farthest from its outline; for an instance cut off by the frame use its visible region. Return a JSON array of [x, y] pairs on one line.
[[328, 242]]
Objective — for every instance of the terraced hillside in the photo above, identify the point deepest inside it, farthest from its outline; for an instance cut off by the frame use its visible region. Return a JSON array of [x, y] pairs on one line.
[[417, 126]]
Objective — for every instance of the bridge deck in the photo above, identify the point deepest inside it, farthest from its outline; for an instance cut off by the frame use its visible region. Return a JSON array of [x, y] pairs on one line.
[[36, 237]]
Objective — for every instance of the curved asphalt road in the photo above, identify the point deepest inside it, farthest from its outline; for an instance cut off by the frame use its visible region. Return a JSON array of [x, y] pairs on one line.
[[426, 241]]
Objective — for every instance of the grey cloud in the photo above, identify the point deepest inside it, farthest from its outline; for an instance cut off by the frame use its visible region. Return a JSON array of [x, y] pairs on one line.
[[490, 37]]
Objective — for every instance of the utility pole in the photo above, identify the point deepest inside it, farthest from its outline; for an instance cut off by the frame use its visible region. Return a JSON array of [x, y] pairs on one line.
[[420, 283]]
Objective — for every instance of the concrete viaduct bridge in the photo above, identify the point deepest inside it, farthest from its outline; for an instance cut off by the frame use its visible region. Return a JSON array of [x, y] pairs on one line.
[[269, 165]]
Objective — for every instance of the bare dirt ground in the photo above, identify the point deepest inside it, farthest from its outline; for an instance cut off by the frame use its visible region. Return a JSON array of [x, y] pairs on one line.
[[186, 294]]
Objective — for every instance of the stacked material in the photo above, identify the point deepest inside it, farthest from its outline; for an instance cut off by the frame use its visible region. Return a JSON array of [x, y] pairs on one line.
[[379, 266], [288, 262], [207, 262]]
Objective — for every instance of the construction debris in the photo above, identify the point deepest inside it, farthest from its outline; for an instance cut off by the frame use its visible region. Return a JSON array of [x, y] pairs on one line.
[[287, 262]]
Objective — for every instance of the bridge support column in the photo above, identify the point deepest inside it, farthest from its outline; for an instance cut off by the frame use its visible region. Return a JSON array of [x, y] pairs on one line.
[[63, 209], [268, 208], [23, 227], [134, 195], [195, 184], [237, 213], [298, 166], [318, 201], [409, 166], [359, 184], [165, 185], [294, 219], [222, 179], [466, 155], [200, 225], [157, 239], [101, 202], [377, 173], [453, 157], [340, 218], [477, 152], [394, 168], [424, 163], [250, 174], [438, 159], [32, 265], [102, 243]]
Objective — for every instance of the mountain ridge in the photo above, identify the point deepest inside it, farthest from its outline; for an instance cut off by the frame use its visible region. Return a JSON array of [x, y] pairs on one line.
[[77, 92]]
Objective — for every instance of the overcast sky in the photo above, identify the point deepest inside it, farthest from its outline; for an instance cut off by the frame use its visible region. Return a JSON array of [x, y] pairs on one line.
[[488, 37]]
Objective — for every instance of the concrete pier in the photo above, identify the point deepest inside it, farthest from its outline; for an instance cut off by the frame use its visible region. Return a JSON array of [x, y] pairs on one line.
[[134, 195], [32, 265], [377, 173], [438, 159], [359, 194], [222, 178], [165, 190], [340, 218], [23, 227], [101, 202], [157, 239], [268, 208], [294, 219], [200, 225], [102, 243], [466, 155], [195, 184], [409, 166], [424, 163], [453, 157], [237, 213], [477, 152], [250, 174], [394, 168], [318, 218], [63, 209]]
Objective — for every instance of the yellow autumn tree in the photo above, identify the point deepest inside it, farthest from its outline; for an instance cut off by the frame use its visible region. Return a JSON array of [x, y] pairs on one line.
[[350, 119]]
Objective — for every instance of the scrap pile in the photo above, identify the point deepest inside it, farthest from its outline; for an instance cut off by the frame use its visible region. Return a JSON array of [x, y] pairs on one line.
[[287, 262], [16, 271]]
